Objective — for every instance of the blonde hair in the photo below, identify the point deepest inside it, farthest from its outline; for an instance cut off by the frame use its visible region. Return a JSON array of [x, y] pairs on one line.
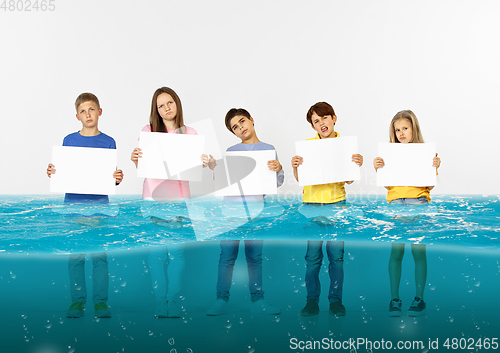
[[412, 118]]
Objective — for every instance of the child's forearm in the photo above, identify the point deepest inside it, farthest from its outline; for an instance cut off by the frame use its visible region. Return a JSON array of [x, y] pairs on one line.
[[118, 176], [136, 154], [296, 162], [51, 169]]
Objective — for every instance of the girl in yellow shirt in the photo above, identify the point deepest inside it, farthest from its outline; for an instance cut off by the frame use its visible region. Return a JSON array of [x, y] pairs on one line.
[[405, 128]]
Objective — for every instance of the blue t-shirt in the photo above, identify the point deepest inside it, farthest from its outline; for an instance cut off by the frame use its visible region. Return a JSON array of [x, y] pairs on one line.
[[98, 141]]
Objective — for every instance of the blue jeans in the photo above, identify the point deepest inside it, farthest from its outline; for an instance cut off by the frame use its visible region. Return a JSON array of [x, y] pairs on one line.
[[314, 259], [175, 271], [422, 200], [100, 278], [228, 255]]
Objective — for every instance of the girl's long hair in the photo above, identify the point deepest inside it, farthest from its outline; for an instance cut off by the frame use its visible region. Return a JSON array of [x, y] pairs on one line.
[[155, 120], [412, 118]]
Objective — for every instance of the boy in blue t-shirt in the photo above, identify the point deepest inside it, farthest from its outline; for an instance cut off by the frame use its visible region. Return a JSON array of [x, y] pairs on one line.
[[240, 123], [88, 112]]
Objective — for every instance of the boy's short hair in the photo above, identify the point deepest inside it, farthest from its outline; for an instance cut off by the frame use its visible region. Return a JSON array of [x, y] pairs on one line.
[[235, 112], [86, 97], [321, 109]]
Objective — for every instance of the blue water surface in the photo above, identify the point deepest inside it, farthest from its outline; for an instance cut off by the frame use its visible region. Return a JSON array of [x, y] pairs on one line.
[[43, 224]]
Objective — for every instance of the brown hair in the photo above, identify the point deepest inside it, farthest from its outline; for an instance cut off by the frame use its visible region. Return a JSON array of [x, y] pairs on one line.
[[86, 97], [412, 118], [321, 109], [235, 112], [155, 120]]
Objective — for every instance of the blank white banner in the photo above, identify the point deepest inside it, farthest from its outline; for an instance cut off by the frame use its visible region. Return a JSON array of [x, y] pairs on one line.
[[83, 170], [170, 156], [407, 164], [260, 181], [327, 160]]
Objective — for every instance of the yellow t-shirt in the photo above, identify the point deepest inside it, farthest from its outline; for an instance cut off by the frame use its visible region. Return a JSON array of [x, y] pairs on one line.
[[324, 193], [408, 192], [413, 192]]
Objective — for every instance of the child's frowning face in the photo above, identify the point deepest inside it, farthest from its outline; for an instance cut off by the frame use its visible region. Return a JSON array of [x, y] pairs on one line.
[[323, 125], [242, 127], [404, 131], [88, 113], [166, 108]]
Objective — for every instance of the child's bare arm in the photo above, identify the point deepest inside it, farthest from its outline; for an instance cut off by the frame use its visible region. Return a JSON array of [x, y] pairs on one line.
[[358, 159], [118, 175], [274, 165], [208, 162], [436, 161], [296, 162], [51, 170], [378, 163], [136, 154]]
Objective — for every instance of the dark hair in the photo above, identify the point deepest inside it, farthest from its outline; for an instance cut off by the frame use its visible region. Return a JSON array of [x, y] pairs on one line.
[[155, 120], [235, 112], [321, 109], [86, 97]]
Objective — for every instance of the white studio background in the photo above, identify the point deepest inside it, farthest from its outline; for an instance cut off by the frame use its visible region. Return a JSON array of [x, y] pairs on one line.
[[369, 59]]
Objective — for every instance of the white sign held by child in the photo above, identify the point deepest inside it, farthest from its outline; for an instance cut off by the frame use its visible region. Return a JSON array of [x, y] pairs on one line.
[[407, 164], [327, 160], [170, 156], [247, 173], [83, 170]]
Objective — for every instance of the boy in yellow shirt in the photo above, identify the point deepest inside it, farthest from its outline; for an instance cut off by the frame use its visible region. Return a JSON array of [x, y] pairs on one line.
[[322, 118]]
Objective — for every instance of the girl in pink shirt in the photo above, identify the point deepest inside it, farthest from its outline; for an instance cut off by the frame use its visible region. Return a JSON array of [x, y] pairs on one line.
[[166, 116]]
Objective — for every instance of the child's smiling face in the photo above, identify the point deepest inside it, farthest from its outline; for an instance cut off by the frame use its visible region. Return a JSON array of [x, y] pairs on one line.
[[88, 113], [403, 130], [323, 125], [242, 127]]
